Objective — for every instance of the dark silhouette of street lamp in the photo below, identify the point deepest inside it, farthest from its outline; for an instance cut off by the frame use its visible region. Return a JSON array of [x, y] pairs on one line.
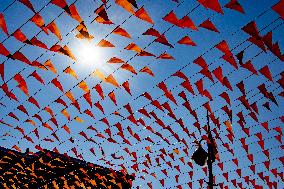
[[200, 156]]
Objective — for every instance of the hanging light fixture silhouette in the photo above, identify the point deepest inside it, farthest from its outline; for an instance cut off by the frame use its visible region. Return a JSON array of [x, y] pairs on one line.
[[202, 157]]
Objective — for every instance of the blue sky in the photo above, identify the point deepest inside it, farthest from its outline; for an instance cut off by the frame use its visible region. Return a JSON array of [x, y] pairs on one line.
[[229, 25]]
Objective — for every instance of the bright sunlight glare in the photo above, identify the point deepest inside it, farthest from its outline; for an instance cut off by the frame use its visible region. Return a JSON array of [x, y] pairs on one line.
[[88, 54]]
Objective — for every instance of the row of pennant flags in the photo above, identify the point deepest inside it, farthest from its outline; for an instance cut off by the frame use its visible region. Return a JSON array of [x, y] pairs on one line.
[[79, 174], [164, 159]]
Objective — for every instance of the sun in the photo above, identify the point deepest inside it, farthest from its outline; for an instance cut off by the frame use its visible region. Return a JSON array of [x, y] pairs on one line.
[[88, 54]]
